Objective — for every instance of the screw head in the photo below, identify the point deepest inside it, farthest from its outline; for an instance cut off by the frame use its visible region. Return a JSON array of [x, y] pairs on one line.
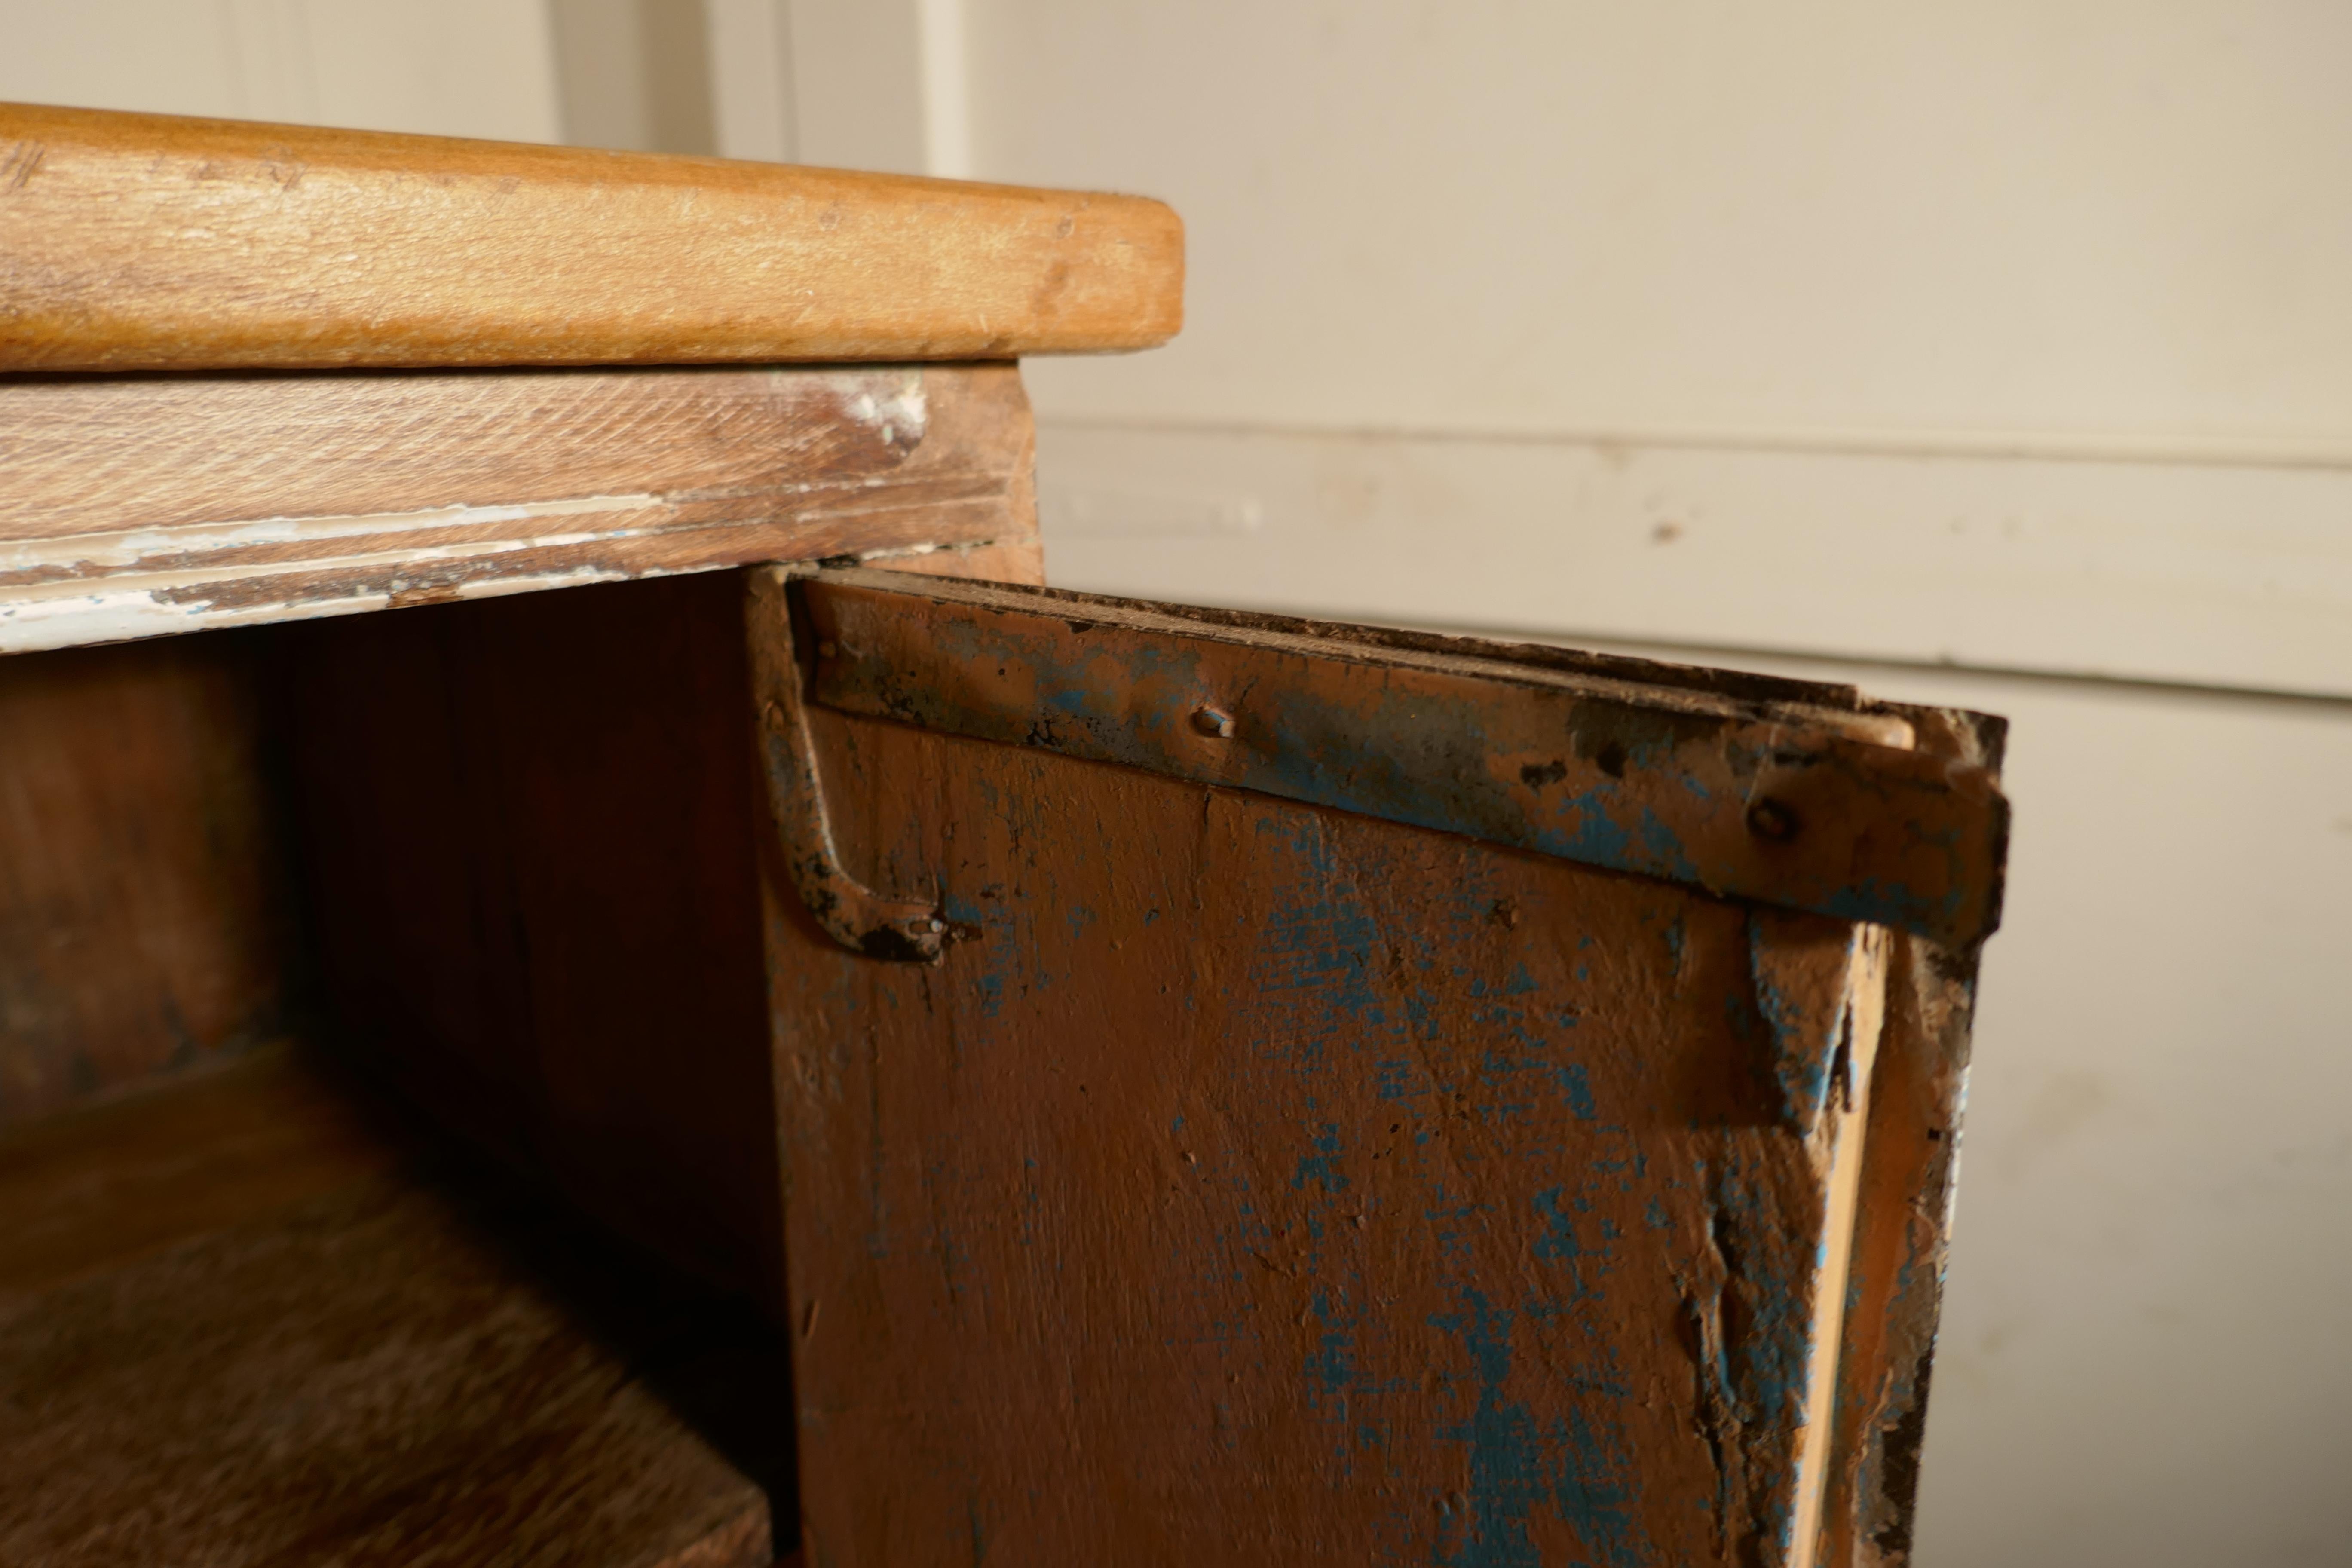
[[1214, 722], [1772, 821]]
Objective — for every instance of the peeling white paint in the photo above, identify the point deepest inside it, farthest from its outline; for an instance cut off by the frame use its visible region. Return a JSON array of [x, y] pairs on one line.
[[127, 609], [903, 415], [132, 605], [130, 547]]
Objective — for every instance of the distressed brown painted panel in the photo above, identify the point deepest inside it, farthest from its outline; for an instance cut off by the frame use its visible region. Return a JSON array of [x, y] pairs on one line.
[[1255, 1183], [137, 506]]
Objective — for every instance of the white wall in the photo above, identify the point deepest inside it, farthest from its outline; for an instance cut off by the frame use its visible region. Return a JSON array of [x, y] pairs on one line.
[[451, 67], [1629, 270], [2012, 336]]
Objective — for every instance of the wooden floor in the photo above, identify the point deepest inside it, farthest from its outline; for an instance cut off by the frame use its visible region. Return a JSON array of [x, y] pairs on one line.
[[252, 1320]]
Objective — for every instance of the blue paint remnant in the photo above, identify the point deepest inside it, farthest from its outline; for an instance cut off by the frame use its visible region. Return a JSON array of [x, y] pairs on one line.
[[1398, 1078], [1151, 916], [1455, 1240], [1665, 847], [1559, 1243], [1763, 1367], [1675, 939], [998, 954], [1322, 1166], [1319, 953], [1579, 1089], [1333, 1376], [1771, 1358], [1081, 917], [1558, 1239], [1804, 1045], [1332, 1362], [1518, 1461], [1177, 1125]]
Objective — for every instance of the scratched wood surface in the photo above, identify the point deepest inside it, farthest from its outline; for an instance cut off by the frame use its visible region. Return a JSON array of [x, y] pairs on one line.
[[144, 924], [137, 506], [249, 1321], [152, 242], [1259, 1184]]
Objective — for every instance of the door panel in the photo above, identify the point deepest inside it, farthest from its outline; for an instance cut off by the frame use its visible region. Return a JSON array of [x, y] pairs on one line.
[[1252, 1181]]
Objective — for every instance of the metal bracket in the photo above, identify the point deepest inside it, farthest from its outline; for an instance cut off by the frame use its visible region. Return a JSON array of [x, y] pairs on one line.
[[1771, 792], [851, 913]]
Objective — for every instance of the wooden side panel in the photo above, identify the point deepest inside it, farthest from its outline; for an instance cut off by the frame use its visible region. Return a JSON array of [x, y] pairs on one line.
[[141, 505], [531, 829], [144, 928], [151, 242], [1258, 1183]]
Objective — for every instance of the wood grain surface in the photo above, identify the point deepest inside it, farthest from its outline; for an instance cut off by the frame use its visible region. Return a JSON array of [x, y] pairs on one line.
[[145, 927], [1258, 1183], [148, 242], [531, 831], [139, 506], [245, 1321]]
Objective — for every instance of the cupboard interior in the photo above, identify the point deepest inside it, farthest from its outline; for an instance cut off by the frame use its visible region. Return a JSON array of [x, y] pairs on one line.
[[284, 908]]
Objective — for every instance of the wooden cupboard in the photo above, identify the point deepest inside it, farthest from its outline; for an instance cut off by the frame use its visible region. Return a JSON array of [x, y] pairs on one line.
[[739, 1022]]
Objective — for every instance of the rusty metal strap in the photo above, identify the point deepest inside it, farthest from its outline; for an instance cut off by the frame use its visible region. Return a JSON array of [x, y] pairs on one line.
[[1806, 808]]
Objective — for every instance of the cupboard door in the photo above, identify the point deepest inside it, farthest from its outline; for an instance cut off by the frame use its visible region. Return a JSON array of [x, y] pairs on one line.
[[1253, 1091]]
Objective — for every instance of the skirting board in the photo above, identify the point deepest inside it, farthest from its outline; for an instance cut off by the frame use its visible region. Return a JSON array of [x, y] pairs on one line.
[[2209, 574]]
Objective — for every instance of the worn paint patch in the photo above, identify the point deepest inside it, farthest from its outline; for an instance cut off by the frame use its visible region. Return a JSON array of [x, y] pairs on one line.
[[1810, 809], [1313, 1211]]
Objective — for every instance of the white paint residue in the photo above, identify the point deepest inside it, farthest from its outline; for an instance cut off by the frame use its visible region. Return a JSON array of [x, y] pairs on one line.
[[902, 416], [132, 547], [122, 613]]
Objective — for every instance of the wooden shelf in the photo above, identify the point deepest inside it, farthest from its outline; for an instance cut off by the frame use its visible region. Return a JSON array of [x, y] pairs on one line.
[[255, 1319]]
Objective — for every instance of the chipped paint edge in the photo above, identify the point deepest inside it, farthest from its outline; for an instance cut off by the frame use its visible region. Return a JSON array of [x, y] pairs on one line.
[[130, 608]]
